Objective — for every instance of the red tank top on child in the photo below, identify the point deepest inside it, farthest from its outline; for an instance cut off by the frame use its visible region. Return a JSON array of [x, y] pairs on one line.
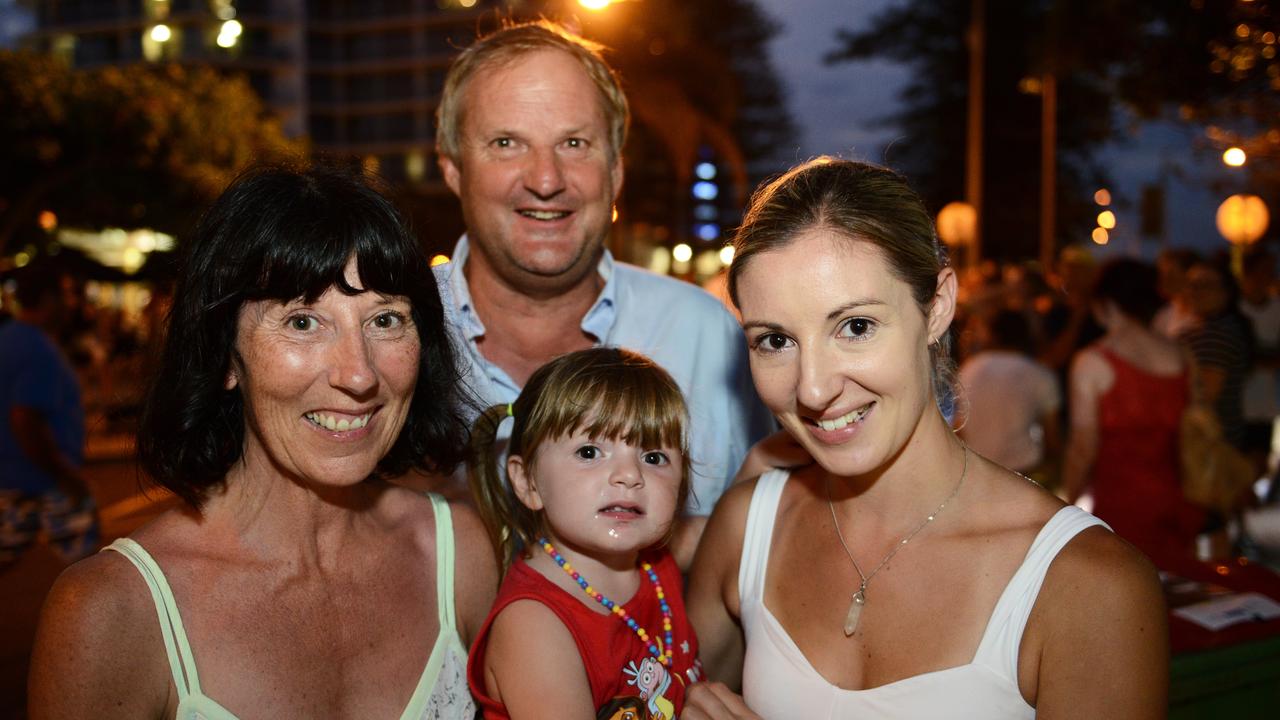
[[623, 674]]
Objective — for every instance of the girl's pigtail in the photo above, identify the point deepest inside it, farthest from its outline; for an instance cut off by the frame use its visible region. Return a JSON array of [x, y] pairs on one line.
[[494, 500]]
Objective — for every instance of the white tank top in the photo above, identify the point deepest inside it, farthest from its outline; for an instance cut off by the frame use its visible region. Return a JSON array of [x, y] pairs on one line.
[[778, 682]]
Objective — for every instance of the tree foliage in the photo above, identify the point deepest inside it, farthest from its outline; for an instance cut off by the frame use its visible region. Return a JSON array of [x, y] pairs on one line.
[[123, 146], [1188, 60], [698, 77]]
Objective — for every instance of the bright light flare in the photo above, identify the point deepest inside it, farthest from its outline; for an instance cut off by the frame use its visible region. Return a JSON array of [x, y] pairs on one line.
[[1234, 157], [595, 4], [726, 254], [682, 253], [161, 33]]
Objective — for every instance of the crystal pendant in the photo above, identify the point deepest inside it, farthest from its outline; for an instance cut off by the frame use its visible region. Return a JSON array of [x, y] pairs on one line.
[[855, 612]]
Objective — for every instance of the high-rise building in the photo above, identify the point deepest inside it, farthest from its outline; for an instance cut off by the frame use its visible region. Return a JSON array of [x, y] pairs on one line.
[[359, 78]]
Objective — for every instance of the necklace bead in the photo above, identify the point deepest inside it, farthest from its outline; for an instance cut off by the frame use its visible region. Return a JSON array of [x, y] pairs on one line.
[[663, 656]]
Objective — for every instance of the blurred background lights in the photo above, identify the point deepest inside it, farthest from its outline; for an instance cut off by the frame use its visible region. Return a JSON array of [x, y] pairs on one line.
[[230, 33], [705, 212], [1102, 197], [705, 171], [682, 253], [1234, 157], [704, 190], [726, 254], [708, 231], [1100, 236], [161, 33], [1106, 219], [592, 4]]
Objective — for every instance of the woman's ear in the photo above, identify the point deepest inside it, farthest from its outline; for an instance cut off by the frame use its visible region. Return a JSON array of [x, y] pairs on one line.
[[943, 308], [233, 378], [522, 483]]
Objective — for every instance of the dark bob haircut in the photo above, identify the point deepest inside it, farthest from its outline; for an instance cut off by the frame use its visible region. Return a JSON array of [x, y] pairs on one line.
[[284, 233], [1132, 286]]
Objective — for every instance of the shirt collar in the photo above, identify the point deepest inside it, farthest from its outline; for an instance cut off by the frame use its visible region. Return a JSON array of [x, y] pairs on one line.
[[598, 321]]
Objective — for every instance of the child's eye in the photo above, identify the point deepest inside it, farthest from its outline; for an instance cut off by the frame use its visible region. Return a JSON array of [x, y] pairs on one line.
[[656, 457], [588, 452]]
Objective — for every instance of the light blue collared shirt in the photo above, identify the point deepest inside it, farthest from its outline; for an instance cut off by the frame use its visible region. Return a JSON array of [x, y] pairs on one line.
[[682, 328]]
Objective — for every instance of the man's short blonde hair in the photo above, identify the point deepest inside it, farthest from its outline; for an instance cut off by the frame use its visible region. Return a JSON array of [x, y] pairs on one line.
[[504, 46]]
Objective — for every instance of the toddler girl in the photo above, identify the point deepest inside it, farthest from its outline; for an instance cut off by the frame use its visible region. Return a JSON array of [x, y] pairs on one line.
[[590, 617]]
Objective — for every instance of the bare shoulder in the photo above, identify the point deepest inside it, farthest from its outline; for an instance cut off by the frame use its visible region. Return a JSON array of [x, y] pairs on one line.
[[98, 644], [1089, 364], [476, 588], [1105, 568], [721, 542], [1100, 623]]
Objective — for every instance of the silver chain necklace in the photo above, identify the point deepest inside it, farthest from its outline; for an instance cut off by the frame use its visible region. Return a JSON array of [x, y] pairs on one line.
[[860, 596]]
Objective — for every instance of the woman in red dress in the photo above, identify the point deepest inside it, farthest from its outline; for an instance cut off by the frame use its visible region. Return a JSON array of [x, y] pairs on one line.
[[1127, 394]]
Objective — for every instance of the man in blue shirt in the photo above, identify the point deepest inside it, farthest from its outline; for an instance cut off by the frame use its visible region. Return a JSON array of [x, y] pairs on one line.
[[42, 493], [531, 127]]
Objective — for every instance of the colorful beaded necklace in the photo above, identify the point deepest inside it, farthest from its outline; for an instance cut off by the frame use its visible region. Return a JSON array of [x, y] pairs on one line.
[[664, 655]]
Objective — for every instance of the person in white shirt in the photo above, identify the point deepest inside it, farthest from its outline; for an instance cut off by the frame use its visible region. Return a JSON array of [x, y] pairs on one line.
[[1012, 400]]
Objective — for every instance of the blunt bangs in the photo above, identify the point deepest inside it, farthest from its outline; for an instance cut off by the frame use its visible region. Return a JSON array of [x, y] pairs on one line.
[[287, 233], [639, 409]]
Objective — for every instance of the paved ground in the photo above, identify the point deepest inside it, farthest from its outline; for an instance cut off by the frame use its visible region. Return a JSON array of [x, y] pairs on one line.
[[123, 506]]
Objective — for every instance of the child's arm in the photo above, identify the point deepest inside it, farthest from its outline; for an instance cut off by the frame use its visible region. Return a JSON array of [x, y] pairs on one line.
[[532, 665]]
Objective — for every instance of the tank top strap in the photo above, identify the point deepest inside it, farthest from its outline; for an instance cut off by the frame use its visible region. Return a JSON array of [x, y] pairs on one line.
[[181, 661], [1003, 636], [444, 563], [757, 537]]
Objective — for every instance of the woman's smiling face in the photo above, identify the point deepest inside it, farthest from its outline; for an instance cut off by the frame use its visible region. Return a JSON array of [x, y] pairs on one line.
[[326, 385], [839, 347]]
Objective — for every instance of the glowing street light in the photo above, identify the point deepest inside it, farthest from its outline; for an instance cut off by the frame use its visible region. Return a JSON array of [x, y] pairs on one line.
[[1234, 157], [1242, 219]]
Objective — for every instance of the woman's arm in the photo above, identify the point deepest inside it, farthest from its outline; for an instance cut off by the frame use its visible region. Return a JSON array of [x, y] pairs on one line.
[[532, 665], [98, 650], [1101, 628], [1090, 377], [712, 601]]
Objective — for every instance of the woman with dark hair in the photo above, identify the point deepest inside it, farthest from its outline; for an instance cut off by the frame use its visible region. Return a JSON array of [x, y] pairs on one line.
[[896, 576], [1127, 394], [306, 363]]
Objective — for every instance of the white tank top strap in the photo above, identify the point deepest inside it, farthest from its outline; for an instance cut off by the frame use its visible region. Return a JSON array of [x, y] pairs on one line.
[[1003, 636], [181, 661], [444, 564], [758, 537]]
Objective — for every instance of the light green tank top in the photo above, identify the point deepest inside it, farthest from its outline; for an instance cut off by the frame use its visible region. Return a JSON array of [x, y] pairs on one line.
[[441, 692]]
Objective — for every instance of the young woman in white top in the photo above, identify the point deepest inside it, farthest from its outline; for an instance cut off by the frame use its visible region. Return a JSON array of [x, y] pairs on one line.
[[306, 363], [901, 574]]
